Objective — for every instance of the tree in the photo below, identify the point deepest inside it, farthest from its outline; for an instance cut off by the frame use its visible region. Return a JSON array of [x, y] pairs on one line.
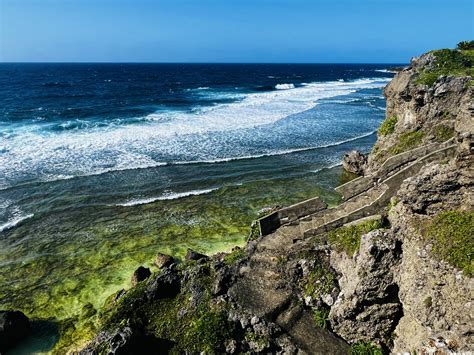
[[465, 45]]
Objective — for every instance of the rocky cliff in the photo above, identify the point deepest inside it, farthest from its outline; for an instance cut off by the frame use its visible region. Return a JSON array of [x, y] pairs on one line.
[[390, 270]]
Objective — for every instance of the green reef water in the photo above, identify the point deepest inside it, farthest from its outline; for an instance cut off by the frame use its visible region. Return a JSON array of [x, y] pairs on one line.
[[55, 267]]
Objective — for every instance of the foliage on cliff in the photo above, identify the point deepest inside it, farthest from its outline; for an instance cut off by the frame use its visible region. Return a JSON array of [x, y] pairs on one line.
[[449, 62], [452, 234]]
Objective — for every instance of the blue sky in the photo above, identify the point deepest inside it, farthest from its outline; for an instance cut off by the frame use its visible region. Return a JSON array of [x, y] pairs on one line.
[[318, 31]]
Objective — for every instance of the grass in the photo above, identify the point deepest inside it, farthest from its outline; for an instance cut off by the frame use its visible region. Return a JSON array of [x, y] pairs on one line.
[[451, 234], [443, 133], [450, 62], [348, 238], [388, 126], [365, 348], [408, 141]]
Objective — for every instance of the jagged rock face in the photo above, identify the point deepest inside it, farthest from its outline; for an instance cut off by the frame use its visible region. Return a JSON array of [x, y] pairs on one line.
[[354, 162], [436, 298], [434, 111], [367, 306]]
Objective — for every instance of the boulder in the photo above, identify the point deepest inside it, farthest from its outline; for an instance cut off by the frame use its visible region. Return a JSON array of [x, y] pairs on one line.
[[166, 285], [354, 162], [14, 326], [163, 260], [140, 274], [194, 255]]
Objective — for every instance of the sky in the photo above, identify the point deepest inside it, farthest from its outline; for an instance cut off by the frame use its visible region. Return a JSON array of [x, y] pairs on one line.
[[291, 31]]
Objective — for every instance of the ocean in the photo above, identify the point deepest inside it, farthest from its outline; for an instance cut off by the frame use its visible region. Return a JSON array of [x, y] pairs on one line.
[[104, 165]]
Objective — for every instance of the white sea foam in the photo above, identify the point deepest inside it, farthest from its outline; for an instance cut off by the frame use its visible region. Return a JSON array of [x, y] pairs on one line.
[[14, 221], [166, 196], [386, 71], [284, 86], [32, 153], [274, 153]]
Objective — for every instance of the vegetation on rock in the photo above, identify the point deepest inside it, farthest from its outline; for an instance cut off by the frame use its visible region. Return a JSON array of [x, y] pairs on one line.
[[451, 234], [365, 348], [443, 133], [347, 238], [449, 62], [408, 141], [466, 45], [388, 126]]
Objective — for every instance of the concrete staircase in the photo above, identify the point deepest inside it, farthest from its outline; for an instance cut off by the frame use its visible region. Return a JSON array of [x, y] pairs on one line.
[[364, 196]]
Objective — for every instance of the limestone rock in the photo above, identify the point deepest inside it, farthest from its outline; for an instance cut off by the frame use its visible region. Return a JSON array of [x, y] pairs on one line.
[[368, 306], [354, 162], [163, 260], [165, 285]]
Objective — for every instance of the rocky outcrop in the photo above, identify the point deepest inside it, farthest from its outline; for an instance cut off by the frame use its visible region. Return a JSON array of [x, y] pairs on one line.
[[368, 307], [14, 327], [418, 114], [354, 162]]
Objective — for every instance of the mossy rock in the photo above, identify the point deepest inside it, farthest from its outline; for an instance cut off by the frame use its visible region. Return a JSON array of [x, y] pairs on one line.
[[407, 141], [451, 234], [347, 238], [388, 126]]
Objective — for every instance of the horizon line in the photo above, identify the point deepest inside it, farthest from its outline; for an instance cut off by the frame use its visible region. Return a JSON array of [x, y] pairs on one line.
[[150, 62]]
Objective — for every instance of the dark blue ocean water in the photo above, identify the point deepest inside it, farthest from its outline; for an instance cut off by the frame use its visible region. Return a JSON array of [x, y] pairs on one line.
[[102, 165], [63, 120]]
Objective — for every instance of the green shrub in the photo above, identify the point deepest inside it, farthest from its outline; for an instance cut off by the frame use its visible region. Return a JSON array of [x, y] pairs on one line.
[[466, 45], [321, 318], [448, 62], [365, 348], [443, 133], [451, 234], [408, 141], [388, 126], [348, 238]]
